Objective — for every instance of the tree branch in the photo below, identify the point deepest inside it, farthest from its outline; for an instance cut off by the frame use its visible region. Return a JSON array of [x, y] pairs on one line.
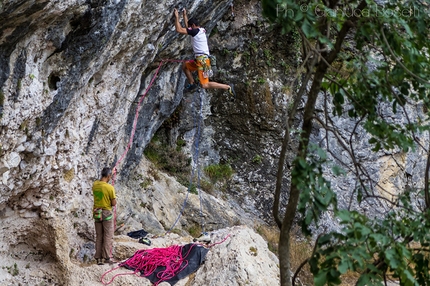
[[287, 140], [305, 261], [426, 181], [398, 61], [348, 24]]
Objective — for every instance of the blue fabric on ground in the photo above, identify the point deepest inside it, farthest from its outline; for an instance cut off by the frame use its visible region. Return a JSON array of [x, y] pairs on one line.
[[195, 258]]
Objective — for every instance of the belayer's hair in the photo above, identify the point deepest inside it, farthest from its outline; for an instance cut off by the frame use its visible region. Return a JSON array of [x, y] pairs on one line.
[[106, 172], [193, 21]]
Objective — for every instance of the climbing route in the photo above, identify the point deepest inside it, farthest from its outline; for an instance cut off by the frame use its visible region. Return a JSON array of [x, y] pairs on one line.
[[197, 122], [169, 264]]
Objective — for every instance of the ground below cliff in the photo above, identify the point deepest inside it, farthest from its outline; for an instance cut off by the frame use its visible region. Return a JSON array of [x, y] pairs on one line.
[[236, 256]]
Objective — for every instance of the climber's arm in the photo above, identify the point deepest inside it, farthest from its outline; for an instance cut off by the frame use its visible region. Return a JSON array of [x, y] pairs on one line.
[[184, 13], [178, 26]]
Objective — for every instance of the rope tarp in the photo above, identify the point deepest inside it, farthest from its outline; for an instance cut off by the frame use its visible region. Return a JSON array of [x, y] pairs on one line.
[[169, 264]]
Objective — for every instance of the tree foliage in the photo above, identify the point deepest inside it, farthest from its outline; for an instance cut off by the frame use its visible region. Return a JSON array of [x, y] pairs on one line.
[[367, 61]]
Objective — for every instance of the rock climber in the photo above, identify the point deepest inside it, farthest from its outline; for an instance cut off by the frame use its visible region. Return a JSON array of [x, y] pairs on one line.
[[201, 63], [104, 201]]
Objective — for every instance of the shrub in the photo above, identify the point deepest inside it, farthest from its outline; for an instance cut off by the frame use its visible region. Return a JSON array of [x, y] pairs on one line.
[[218, 172], [169, 159], [194, 230]]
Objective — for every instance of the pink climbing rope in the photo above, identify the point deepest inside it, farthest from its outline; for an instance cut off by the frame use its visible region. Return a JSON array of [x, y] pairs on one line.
[[120, 274], [146, 261], [142, 97], [216, 243]]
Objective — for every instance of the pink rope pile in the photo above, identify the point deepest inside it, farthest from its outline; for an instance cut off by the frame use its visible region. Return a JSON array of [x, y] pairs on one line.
[[146, 262]]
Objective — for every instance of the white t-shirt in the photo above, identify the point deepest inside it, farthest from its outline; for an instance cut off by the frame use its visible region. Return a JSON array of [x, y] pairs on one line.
[[199, 41]]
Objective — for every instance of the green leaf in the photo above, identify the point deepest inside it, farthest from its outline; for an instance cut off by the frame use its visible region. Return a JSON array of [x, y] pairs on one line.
[[322, 154], [391, 258], [298, 15], [408, 279], [357, 256], [320, 279], [344, 216], [313, 263], [307, 28], [303, 163], [324, 239], [364, 280], [359, 196], [344, 265], [337, 171]]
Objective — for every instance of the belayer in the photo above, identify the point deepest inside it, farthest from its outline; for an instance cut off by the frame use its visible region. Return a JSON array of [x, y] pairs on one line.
[[201, 63], [104, 201]]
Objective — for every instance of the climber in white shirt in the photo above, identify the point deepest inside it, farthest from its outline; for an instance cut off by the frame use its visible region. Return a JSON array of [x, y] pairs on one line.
[[201, 63]]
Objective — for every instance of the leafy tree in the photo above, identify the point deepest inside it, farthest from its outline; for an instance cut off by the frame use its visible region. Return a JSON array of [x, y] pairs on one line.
[[367, 61]]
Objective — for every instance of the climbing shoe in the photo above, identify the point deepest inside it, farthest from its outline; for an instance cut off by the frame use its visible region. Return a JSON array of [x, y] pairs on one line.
[[145, 240], [203, 238], [99, 261], [190, 87], [110, 261], [231, 90]]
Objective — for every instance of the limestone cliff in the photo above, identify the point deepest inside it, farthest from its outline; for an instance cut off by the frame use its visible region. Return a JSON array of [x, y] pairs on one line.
[[72, 75], [74, 79]]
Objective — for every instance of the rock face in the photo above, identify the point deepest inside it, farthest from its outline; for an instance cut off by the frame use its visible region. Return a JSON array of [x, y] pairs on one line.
[[242, 259], [87, 84], [73, 74]]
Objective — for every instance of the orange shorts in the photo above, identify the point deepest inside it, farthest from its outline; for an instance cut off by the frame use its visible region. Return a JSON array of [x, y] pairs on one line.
[[195, 65]]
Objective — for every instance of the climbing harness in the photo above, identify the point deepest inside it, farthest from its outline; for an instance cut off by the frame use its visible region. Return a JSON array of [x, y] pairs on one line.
[[99, 216], [202, 63]]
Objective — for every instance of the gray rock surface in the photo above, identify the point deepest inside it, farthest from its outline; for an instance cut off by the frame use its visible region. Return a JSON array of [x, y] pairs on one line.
[[72, 76]]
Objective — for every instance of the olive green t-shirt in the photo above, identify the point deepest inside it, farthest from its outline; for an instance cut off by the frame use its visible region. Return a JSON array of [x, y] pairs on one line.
[[103, 193]]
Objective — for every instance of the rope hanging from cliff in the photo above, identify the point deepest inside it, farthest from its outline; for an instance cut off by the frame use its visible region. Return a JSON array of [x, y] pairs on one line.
[[196, 140], [133, 130], [202, 220], [136, 116]]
